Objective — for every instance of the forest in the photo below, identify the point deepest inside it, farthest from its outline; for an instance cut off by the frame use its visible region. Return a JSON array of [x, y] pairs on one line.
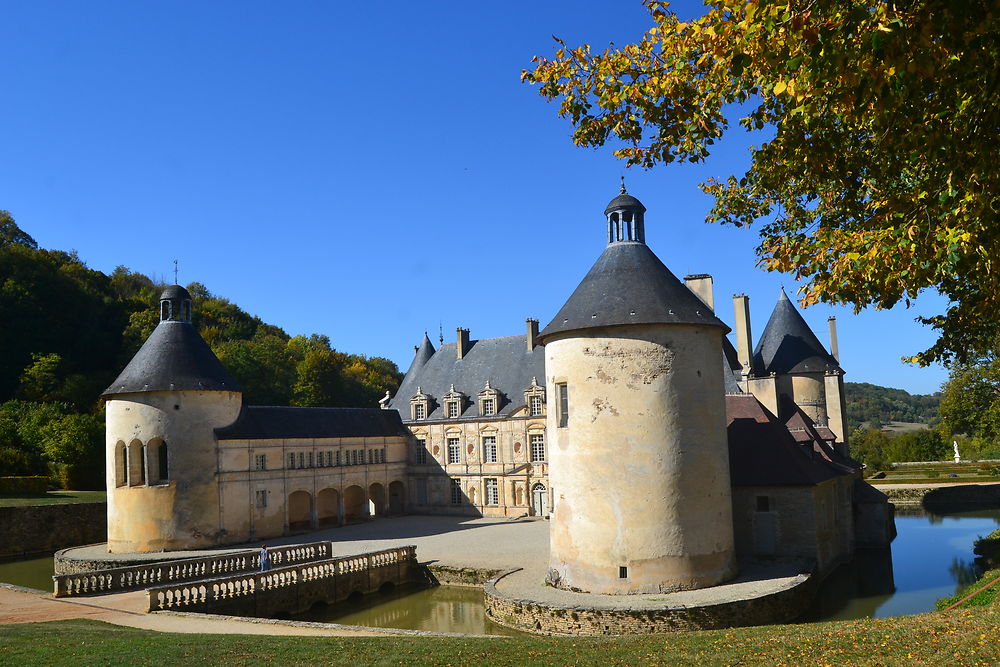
[[68, 330]]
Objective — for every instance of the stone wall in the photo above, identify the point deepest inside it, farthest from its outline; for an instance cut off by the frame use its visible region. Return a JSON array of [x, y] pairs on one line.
[[952, 498], [532, 616], [42, 529]]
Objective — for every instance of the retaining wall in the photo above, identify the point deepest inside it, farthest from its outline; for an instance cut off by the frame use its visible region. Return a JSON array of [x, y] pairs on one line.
[[41, 529]]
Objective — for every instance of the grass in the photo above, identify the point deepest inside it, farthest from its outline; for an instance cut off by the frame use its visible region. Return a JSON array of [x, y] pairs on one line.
[[52, 498], [961, 637]]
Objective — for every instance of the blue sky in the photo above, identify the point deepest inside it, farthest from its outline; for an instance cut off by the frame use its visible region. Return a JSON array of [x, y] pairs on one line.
[[365, 170]]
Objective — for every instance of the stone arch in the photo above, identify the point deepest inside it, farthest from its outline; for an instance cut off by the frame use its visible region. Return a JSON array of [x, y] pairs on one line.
[[397, 496], [300, 510], [136, 463], [376, 499], [539, 500], [355, 505], [121, 464], [328, 507]]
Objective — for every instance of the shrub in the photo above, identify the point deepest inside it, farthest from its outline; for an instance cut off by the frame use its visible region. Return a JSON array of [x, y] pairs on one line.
[[19, 485]]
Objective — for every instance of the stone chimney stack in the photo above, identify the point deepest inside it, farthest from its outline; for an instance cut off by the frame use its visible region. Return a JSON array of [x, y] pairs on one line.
[[463, 341], [701, 285], [532, 333], [834, 347], [741, 306]]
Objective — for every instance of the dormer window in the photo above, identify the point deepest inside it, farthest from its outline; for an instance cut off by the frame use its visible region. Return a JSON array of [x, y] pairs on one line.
[[420, 405], [534, 398], [454, 403], [489, 401]]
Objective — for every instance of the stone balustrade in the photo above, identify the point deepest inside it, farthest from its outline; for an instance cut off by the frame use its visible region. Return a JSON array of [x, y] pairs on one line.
[[293, 588], [153, 573]]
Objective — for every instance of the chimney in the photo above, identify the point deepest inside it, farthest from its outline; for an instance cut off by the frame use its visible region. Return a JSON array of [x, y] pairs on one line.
[[834, 348], [701, 285], [462, 345], [741, 306], [532, 333]]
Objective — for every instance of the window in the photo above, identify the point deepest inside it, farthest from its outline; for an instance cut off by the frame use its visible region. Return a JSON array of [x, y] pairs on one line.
[[291, 460], [537, 441], [419, 411], [492, 492], [121, 464], [489, 449], [420, 454], [371, 456], [260, 462], [261, 499], [456, 492], [535, 405], [489, 406], [563, 393], [310, 459], [302, 459], [338, 457], [354, 457], [161, 458], [622, 572], [454, 451], [763, 504], [421, 491], [452, 409]]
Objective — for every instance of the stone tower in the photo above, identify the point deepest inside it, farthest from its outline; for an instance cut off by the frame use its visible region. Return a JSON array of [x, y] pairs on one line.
[[161, 450], [639, 464], [790, 365]]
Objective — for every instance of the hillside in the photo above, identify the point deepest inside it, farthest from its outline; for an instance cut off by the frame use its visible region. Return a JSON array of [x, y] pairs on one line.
[[875, 405]]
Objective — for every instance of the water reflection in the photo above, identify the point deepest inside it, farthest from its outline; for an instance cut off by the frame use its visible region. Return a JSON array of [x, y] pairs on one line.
[[30, 573], [438, 609]]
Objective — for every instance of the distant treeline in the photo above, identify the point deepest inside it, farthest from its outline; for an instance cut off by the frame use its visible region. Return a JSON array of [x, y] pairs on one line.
[[874, 406], [66, 331]]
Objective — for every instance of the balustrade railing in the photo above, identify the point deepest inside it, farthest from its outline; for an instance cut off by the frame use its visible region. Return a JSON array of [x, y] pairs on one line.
[[144, 575], [209, 591]]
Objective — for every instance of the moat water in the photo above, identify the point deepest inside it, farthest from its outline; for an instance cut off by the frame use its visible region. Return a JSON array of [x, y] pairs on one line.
[[931, 558]]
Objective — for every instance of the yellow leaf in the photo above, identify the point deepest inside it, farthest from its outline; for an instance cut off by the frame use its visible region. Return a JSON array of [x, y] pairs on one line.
[[779, 87]]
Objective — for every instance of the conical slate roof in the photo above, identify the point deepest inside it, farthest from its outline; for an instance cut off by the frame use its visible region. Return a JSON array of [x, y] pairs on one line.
[[788, 345], [424, 352], [173, 358], [629, 285]]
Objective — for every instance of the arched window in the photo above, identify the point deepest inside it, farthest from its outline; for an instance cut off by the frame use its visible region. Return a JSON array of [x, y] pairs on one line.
[[136, 463], [161, 455], [121, 464]]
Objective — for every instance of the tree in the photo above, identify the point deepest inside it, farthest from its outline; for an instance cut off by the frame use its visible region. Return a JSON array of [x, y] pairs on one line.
[[11, 234], [869, 446], [970, 405], [880, 180]]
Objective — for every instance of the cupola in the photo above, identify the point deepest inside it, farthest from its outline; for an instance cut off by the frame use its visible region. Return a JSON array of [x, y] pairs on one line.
[[175, 304], [625, 218]]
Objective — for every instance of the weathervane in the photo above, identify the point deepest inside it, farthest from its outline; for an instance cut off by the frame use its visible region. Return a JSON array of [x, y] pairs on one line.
[[440, 334], [175, 272], [624, 192]]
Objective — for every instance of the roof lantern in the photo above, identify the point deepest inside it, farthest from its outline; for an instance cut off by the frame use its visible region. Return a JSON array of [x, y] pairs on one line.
[[625, 218], [175, 304]]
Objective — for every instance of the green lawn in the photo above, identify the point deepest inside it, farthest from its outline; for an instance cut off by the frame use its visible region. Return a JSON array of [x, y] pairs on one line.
[[53, 498], [962, 637]]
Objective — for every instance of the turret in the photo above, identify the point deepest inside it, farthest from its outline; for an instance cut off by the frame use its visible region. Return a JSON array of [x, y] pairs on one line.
[[162, 411], [639, 458]]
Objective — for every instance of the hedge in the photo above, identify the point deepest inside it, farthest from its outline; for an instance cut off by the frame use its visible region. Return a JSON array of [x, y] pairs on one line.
[[12, 485]]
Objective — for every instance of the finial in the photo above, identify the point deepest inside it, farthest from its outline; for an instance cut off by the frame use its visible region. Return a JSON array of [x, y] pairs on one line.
[[440, 334], [487, 385], [175, 272], [624, 191]]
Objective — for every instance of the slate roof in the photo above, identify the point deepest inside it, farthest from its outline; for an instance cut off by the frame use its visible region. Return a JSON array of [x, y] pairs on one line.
[[788, 345], [276, 423], [624, 200], [505, 362], [763, 453], [173, 358], [629, 285], [175, 292], [730, 367]]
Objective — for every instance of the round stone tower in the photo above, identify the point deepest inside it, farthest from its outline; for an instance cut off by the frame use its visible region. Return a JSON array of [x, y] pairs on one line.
[[639, 463], [162, 413]]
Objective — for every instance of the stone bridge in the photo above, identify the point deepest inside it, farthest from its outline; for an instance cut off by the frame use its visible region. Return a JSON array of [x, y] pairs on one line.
[[291, 589]]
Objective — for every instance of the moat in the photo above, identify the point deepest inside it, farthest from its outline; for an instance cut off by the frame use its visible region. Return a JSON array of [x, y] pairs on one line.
[[932, 556]]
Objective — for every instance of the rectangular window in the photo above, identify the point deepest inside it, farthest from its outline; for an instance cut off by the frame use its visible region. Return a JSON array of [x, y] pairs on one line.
[[261, 499], [291, 460], [622, 572], [421, 491], [354, 457], [302, 459], [763, 504], [492, 492], [489, 407], [310, 460], [535, 405], [454, 451], [419, 412], [260, 462], [456, 492], [537, 441], [452, 409], [371, 456], [338, 457], [563, 393], [420, 453], [489, 449]]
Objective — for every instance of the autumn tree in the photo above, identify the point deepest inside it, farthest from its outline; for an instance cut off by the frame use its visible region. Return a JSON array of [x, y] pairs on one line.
[[880, 180], [970, 405]]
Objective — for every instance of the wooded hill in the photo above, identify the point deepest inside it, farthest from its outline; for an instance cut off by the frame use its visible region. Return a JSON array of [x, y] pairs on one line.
[[68, 330], [874, 405]]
